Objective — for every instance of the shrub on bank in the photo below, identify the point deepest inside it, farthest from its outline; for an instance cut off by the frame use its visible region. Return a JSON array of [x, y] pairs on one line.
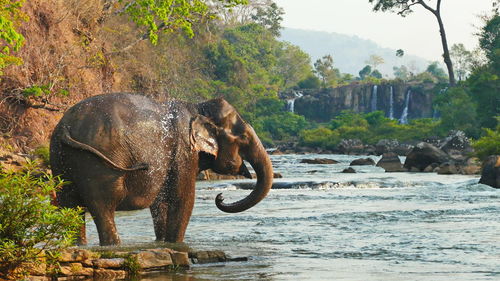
[[488, 145], [31, 228]]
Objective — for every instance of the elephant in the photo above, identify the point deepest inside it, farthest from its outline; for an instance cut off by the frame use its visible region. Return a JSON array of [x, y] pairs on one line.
[[125, 151]]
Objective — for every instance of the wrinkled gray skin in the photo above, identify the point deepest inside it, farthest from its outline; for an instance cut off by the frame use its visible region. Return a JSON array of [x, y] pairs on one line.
[[128, 152]]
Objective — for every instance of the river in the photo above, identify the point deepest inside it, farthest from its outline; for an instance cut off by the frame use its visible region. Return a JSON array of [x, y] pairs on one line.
[[327, 225]]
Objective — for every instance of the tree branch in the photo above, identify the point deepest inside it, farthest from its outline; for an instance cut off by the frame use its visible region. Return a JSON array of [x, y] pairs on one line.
[[427, 7]]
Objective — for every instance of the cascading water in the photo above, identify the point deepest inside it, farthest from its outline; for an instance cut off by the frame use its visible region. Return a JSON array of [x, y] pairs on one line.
[[391, 103], [374, 98], [290, 104], [404, 115]]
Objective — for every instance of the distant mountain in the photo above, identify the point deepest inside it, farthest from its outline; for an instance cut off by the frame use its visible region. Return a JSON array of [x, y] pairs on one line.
[[349, 52]]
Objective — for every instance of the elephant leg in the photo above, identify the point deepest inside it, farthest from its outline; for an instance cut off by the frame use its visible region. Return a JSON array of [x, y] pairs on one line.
[[81, 239], [181, 191], [105, 223], [159, 212]]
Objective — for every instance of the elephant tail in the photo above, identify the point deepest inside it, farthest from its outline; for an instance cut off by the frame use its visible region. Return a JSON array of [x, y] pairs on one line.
[[69, 141]]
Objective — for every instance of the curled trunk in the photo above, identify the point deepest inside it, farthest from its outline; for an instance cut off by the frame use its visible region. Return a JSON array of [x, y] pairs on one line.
[[258, 158]]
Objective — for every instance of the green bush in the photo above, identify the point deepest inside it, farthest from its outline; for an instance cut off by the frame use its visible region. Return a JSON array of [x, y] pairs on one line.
[[320, 137], [31, 228], [488, 144], [43, 153]]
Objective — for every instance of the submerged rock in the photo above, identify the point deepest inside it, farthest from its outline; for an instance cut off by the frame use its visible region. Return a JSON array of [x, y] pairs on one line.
[[362, 162], [319, 161], [349, 170]]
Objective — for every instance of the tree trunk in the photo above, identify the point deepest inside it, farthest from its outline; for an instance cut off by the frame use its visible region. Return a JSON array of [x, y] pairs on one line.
[[446, 52]]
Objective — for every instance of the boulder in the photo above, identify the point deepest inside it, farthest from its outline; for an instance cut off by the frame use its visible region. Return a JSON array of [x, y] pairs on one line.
[[472, 166], [456, 141], [403, 149], [423, 155], [448, 168], [431, 168], [154, 258], [351, 146], [385, 146], [390, 162], [349, 170], [362, 162], [319, 161], [491, 172]]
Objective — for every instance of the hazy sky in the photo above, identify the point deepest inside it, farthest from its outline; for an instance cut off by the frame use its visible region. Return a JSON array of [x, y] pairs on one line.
[[417, 33]]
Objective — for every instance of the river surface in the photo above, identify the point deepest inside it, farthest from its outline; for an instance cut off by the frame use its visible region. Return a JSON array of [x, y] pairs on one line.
[[326, 225]]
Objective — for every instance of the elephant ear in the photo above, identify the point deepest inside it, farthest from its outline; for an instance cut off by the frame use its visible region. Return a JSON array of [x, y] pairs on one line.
[[204, 135]]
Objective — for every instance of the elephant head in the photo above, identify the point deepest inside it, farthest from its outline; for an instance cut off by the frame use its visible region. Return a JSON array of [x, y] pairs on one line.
[[235, 141]]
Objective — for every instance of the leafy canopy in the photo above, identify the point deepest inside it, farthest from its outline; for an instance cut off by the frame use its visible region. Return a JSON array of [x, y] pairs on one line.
[[169, 15], [11, 40]]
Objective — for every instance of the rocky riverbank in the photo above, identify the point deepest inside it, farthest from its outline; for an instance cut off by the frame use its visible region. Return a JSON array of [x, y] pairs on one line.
[[102, 264]]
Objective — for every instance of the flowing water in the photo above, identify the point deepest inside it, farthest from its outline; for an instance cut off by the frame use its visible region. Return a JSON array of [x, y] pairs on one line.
[[321, 224], [391, 103], [404, 115], [374, 98]]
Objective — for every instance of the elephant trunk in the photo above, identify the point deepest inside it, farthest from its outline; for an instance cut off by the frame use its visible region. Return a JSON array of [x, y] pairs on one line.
[[258, 158]]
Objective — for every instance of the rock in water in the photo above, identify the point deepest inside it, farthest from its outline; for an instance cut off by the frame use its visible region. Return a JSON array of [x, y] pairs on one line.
[[319, 161], [362, 162], [491, 172], [349, 170], [423, 155], [390, 162]]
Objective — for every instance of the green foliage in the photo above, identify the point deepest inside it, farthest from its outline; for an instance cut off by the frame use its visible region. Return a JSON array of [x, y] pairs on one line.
[[436, 71], [270, 17], [488, 145], [272, 123], [131, 264], [43, 153], [39, 91], [401, 72], [458, 111], [365, 72], [310, 82], [293, 66], [369, 128], [168, 15], [30, 225], [11, 41], [320, 137], [324, 69]]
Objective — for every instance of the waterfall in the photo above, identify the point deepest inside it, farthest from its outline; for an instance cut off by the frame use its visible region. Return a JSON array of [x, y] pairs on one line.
[[404, 115], [391, 103], [374, 98], [290, 104]]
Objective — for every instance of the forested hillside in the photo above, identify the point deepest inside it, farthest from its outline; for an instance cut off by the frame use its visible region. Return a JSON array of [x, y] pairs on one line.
[[348, 51], [65, 51]]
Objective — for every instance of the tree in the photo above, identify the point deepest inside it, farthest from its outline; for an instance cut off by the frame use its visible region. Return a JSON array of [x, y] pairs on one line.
[[157, 16], [365, 72], [270, 16], [374, 61], [400, 53], [458, 111], [11, 41], [404, 7], [483, 82], [401, 72], [324, 69], [461, 60], [436, 71], [293, 65]]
